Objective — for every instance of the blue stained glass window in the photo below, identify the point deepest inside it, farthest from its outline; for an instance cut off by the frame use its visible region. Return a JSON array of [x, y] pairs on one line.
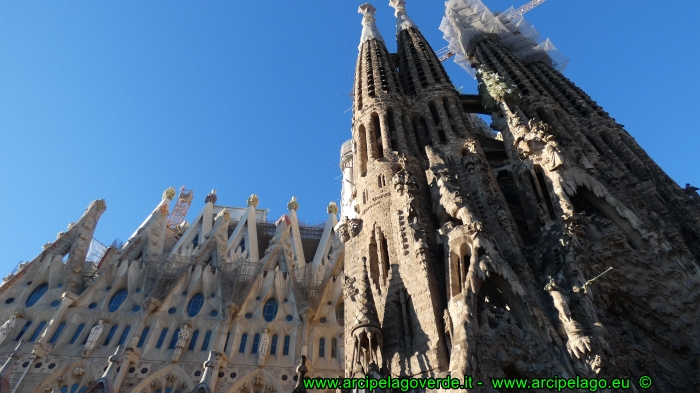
[[193, 341], [36, 294], [322, 347], [205, 343], [173, 339], [74, 388], [125, 334], [285, 347], [163, 333], [169, 390], [38, 330], [118, 299], [59, 329], [244, 338], [195, 305], [24, 330], [228, 336], [142, 340], [77, 333], [256, 343], [111, 334], [64, 389], [273, 345], [270, 309]]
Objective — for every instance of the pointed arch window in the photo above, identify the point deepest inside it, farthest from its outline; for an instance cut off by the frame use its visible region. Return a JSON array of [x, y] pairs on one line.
[[36, 294], [244, 339], [37, 332], [125, 334], [285, 348], [77, 333], [117, 299], [340, 314], [163, 333], [193, 341], [205, 343], [58, 332], [322, 347], [273, 345], [270, 309], [142, 339], [334, 347], [256, 343], [111, 334], [195, 305], [173, 339]]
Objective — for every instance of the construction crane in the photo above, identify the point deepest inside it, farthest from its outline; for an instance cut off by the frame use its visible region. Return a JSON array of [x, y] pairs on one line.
[[177, 216], [445, 53]]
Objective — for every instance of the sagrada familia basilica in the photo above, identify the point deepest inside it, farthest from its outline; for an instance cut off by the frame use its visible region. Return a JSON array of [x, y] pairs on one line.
[[553, 247]]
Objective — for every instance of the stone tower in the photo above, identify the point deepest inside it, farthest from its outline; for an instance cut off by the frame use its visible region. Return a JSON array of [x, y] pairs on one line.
[[492, 257]]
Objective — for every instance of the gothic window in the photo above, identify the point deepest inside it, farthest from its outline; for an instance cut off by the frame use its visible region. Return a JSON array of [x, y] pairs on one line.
[[362, 146], [111, 334], [142, 339], [37, 293], [545, 192], [374, 261], [392, 129], [195, 305], [173, 339], [163, 333], [241, 245], [379, 181], [244, 339], [118, 299], [285, 347], [228, 336], [125, 334], [434, 113], [256, 343], [322, 347], [273, 345], [385, 257], [424, 131], [24, 330], [334, 348], [37, 332], [270, 309], [77, 333], [205, 343], [340, 314], [193, 341], [377, 135], [59, 330], [446, 104]]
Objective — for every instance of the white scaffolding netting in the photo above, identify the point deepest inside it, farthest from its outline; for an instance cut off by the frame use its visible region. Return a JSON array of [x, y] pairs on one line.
[[467, 22]]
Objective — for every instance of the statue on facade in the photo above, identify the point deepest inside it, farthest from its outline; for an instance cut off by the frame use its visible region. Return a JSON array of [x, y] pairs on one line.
[[182, 338], [264, 347], [95, 334], [7, 328]]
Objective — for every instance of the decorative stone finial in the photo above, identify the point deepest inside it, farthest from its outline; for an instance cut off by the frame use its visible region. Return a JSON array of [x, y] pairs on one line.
[[211, 197], [253, 200], [332, 208], [369, 29], [402, 20], [293, 204], [169, 193]]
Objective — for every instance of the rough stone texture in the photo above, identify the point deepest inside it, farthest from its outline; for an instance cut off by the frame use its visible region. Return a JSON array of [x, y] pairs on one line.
[[485, 256]]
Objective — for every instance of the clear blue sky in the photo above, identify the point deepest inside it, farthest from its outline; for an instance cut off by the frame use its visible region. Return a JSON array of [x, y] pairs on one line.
[[120, 100]]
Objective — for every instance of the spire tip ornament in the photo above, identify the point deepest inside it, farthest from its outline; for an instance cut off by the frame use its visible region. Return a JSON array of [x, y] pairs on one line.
[[169, 193]]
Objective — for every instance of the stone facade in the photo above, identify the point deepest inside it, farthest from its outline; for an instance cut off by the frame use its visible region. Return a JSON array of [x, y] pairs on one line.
[[557, 248], [228, 303]]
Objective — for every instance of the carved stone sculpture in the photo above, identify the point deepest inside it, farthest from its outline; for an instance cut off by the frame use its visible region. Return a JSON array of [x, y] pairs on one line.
[[264, 347], [182, 338], [94, 336], [7, 328]]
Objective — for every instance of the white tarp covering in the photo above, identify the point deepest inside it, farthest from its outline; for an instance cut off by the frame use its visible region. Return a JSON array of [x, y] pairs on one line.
[[466, 21], [96, 251]]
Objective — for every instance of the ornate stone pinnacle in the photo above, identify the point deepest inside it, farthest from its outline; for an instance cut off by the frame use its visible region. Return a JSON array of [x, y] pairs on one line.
[[211, 197], [293, 204], [398, 5], [367, 10], [332, 208], [402, 19], [253, 200], [169, 193]]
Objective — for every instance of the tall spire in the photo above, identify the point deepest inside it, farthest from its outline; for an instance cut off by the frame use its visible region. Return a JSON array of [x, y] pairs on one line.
[[402, 19], [369, 26]]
